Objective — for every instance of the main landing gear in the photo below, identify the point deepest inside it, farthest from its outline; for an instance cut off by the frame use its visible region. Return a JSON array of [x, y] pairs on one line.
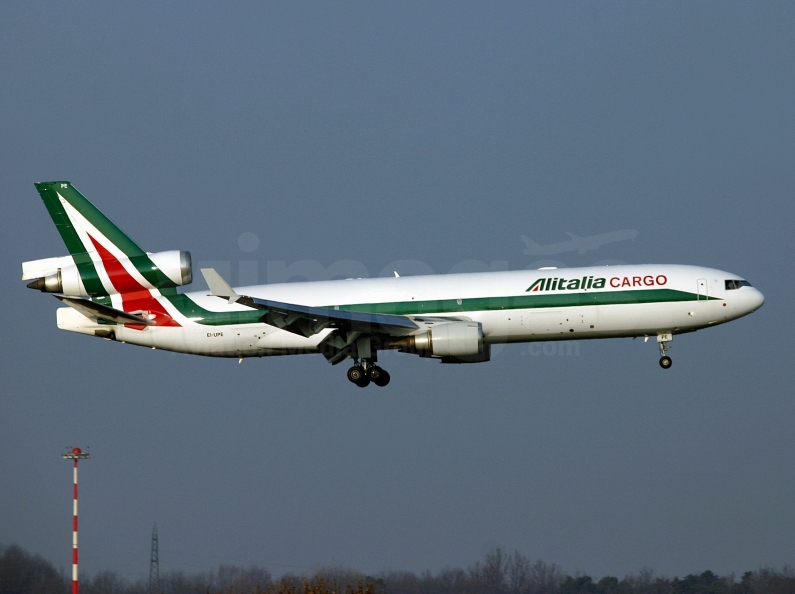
[[365, 372]]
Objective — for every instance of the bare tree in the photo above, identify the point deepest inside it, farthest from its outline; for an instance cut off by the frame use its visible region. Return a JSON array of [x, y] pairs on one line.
[[23, 573], [231, 579], [545, 578], [105, 582], [517, 574]]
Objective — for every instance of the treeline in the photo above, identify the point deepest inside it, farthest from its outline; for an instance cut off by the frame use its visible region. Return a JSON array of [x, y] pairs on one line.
[[497, 573]]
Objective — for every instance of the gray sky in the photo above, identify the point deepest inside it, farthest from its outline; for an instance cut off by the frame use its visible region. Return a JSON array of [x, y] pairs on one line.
[[379, 133]]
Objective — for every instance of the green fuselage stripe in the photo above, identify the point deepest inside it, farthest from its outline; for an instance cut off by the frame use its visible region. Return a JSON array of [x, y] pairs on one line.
[[190, 309], [405, 308]]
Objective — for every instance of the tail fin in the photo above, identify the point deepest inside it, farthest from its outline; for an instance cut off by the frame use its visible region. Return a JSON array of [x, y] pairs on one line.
[[80, 223], [107, 261]]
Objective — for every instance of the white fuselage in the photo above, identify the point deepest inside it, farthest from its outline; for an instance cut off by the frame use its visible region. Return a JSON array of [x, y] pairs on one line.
[[634, 301]]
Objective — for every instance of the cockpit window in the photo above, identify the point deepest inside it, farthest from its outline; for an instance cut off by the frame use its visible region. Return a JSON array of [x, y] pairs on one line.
[[736, 284]]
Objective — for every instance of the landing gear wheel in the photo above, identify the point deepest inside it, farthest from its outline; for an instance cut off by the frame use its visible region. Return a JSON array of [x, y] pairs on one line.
[[663, 339], [382, 380], [356, 373], [363, 382], [379, 376]]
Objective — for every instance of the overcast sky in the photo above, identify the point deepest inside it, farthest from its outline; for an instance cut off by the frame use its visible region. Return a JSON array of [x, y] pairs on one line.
[[409, 136]]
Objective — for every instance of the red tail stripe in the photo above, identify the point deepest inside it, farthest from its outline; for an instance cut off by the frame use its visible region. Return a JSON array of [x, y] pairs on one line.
[[134, 296], [119, 277]]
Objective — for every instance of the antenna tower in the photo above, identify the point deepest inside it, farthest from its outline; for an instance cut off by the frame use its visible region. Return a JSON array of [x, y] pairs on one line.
[[154, 565], [75, 454]]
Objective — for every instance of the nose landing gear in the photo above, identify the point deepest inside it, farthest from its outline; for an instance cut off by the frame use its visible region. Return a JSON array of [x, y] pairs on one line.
[[365, 372], [665, 360]]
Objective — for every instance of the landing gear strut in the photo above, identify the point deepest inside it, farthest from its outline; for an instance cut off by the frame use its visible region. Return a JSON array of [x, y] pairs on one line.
[[665, 360], [365, 372]]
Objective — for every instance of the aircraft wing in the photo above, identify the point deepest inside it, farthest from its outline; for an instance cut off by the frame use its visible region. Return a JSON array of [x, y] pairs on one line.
[[306, 320], [91, 309]]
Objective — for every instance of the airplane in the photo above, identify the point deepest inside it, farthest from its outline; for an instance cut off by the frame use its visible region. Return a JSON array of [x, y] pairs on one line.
[[115, 290], [577, 243]]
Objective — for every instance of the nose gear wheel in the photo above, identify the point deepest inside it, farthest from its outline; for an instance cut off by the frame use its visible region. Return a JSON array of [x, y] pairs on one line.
[[665, 360]]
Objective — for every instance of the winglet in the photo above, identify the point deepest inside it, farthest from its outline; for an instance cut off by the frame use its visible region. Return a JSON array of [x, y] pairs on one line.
[[218, 286]]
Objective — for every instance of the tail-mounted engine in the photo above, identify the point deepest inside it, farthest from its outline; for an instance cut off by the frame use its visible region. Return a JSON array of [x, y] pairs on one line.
[[175, 264], [62, 275]]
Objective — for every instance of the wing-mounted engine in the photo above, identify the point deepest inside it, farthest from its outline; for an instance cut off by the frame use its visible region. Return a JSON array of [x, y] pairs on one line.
[[452, 342]]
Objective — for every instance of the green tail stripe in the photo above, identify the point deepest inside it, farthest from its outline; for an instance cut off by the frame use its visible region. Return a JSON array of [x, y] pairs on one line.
[[190, 309], [49, 193], [89, 276], [85, 266]]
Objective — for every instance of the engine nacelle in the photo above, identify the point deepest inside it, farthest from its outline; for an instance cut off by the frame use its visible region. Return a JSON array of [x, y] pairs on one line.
[[60, 275], [64, 280], [452, 342], [175, 264]]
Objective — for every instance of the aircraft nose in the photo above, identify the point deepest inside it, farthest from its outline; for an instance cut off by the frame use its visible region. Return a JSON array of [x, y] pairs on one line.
[[756, 299]]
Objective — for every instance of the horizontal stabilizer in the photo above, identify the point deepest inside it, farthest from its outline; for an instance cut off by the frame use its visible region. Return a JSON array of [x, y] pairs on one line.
[[90, 309]]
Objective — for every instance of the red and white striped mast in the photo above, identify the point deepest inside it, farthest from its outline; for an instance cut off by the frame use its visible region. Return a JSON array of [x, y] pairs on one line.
[[76, 454]]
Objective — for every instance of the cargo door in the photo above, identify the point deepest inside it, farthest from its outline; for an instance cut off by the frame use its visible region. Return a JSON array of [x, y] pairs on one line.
[[703, 293]]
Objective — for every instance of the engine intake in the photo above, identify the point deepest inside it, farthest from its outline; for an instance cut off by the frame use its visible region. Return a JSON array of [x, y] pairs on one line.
[[175, 264]]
